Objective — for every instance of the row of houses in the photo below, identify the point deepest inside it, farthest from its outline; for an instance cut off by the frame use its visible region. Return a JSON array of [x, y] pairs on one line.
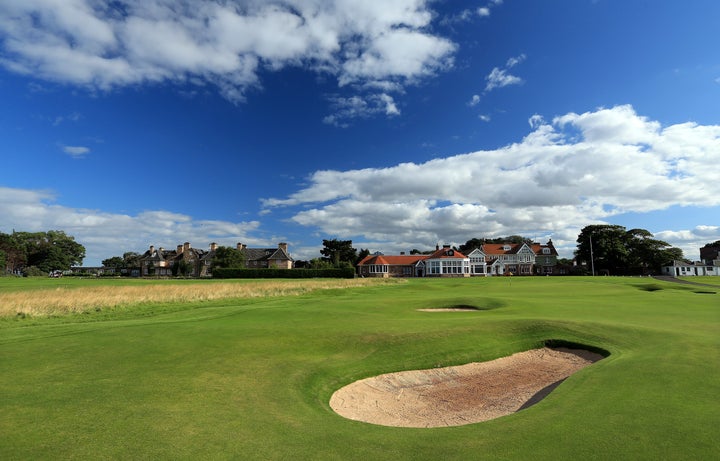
[[198, 262], [195, 262], [488, 260]]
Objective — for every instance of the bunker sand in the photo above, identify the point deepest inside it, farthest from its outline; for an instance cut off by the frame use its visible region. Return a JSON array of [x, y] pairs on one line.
[[459, 395]]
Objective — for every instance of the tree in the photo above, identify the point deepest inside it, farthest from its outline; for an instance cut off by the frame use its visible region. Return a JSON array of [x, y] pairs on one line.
[[2, 262], [337, 252], [228, 257], [132, 260], [610, 249], [51, 250], [116, 263], [319, 263], [15, 257], [364, 252], [646, 254], [602, 247]]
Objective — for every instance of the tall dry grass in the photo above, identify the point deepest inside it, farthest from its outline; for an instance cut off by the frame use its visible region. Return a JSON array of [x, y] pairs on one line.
[[62, 301]]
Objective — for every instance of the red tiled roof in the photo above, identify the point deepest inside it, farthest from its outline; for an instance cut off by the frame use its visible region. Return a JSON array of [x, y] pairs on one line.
[[400, 260], [498, 248], [445, 253]]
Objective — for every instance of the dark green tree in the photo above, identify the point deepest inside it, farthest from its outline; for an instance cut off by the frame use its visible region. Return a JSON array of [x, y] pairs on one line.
[[116, 263], [228, 257], [51, 250], [339, 252], [602, 247], [132, 260], [15, 257], [610, 249], [362, 254]]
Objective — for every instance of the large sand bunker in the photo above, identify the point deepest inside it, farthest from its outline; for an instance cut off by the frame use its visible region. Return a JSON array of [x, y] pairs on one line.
[[465, 394]]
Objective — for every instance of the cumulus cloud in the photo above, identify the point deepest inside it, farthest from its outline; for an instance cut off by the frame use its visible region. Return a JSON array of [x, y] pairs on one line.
[[103, 45], [474, 101], [110, 234], [577, 169]]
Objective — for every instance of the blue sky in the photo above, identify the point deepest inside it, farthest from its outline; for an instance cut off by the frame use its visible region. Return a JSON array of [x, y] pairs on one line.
[[397, 124]]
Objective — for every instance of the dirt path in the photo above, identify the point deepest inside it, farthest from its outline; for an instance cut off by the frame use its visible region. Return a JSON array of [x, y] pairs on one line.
[[459, 395]]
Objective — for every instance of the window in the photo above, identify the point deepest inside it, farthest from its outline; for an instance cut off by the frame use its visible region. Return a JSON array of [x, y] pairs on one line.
[[546, 251], [434, 267], [378, 268]]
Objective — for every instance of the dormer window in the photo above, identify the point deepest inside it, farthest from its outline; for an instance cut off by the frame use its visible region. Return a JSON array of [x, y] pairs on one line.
[[546, 251], [506, 247]]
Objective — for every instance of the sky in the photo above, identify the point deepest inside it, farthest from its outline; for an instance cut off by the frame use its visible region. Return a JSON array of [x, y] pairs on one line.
[[397, 124]]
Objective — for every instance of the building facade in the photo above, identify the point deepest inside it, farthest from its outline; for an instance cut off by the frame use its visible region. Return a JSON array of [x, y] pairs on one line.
[[486, 261]]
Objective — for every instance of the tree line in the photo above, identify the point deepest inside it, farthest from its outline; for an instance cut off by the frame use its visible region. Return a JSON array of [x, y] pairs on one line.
[[601, 249], [39, 253]]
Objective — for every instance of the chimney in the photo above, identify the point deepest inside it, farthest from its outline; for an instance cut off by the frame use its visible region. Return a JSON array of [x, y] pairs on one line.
[[241, 246], [283, 246], [437, 246], [186, 246], [402, 253], [179, 249], [152, 250], [213, 246]]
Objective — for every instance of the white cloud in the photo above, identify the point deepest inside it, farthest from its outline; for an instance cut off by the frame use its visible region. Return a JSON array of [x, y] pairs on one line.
[[483, 11], [110, 234], [103, 45], [484, 117], [579, 169], [474, 101], [347, 109], [514, 61], [499, 78], [76, 151]]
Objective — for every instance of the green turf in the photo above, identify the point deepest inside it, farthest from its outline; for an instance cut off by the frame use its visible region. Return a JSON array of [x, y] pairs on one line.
[[252, 379], [705, 279]]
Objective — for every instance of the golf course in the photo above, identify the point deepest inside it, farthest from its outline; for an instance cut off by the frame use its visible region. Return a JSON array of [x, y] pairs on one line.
[[245, 369]]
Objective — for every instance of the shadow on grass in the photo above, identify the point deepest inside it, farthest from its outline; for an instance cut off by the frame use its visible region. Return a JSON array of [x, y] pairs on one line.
[[464, 304]]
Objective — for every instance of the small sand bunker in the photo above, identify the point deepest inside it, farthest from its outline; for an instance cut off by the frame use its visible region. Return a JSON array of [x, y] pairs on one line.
[[465, 394]]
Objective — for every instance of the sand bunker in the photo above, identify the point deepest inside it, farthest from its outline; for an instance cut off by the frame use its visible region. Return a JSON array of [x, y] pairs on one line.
[[465, 394]]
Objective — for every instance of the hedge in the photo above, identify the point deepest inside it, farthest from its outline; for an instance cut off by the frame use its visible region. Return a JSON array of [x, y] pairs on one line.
[[238, 273]]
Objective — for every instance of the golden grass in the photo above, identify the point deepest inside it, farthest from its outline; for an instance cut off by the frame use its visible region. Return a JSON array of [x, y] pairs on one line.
[[62, 301]]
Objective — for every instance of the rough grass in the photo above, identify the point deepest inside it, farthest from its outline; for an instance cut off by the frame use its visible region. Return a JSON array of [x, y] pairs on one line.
[[78, 297]]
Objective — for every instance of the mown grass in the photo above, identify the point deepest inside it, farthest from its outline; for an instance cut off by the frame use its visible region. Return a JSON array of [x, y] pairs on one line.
[[706, 279], [250, 378]]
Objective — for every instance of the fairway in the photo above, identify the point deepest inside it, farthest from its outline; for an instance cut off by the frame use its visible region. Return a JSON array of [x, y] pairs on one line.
[[250, 377]]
